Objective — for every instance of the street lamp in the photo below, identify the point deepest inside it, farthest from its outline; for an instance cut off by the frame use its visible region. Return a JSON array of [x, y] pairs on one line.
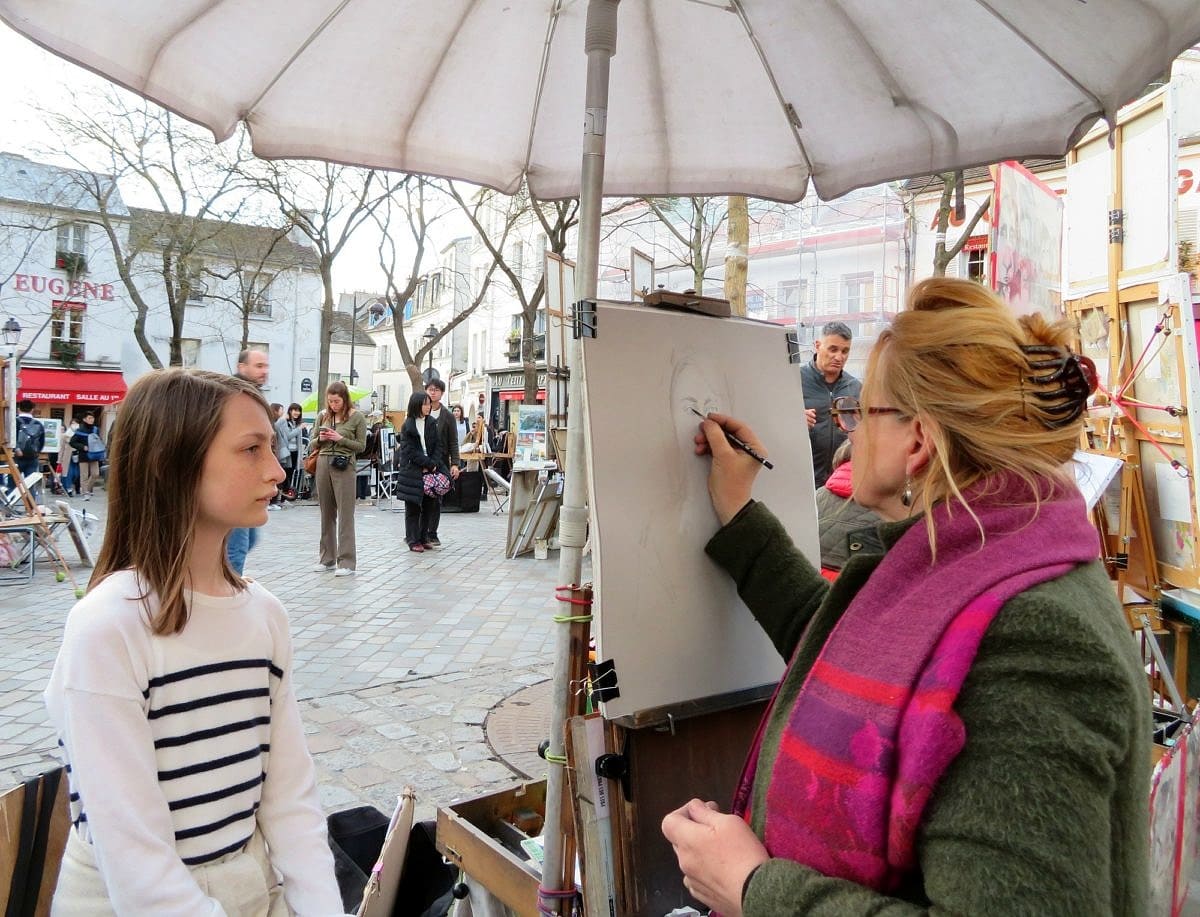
[[12, 337], [430, 336]]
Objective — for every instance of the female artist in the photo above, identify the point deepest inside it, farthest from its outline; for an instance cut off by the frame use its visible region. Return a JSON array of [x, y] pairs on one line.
[[963, 724]]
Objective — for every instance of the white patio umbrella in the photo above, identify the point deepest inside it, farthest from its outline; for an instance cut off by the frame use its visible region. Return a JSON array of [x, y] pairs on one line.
[[712, 96]]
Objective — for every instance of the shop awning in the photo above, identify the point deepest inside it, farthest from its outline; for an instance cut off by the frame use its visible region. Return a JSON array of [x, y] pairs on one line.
[[70, 386]]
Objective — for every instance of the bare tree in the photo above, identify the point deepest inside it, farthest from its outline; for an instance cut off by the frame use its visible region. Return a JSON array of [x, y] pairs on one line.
[[328, 203], [943, 254], [737, 250], [195, 186], [693, 225], [416, 191], [251, 260], [555, 219]]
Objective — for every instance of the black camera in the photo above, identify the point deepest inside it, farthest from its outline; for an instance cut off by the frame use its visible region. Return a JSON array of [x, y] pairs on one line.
[[340, 461]]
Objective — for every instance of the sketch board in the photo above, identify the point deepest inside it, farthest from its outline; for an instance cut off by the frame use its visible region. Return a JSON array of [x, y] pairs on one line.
[[560, 295], [1170, 377], [1027, 242], [666, 615]]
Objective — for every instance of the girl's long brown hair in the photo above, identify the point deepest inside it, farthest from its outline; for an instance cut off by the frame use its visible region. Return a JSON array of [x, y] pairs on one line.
[[157, 450]]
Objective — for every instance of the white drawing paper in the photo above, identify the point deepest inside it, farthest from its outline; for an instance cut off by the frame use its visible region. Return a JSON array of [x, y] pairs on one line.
[[667, 616], [1093, 474], [1174, 494]]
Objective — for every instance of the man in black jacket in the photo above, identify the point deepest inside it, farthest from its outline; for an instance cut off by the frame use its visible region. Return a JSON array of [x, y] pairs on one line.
[[824, 379], [448, 432]]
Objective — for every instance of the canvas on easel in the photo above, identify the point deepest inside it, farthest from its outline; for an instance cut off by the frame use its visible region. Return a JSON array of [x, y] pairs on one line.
[[669, 620]]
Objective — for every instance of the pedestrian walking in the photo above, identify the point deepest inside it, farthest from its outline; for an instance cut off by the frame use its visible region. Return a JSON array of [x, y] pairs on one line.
[[341, 436], [192, 790], [253, 366], [90, 450], [448, 460], [287, 449], [420, 454], [70, 457]]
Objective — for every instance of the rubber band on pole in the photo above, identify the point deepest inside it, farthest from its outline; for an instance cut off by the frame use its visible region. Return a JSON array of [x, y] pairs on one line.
[[549, 894], [560, 760], [572, 619]]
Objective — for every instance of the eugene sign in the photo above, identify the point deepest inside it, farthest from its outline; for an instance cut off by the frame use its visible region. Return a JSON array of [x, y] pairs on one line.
[[36, 283]]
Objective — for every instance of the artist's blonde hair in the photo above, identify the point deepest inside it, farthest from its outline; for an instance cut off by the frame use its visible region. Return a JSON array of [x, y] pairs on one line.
[[953, 359]]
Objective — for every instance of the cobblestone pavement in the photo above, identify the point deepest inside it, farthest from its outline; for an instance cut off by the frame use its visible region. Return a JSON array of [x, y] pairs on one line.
[[401, 670]]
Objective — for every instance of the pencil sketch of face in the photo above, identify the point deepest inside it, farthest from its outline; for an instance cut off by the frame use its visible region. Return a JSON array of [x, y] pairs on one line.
[[695, 384]]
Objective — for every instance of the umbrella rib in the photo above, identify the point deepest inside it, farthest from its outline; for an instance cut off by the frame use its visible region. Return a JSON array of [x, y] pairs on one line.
[[551, 26], [171, 38], [1054, 65], [333, 14], [659, 97], [789, 110], [900, 99]]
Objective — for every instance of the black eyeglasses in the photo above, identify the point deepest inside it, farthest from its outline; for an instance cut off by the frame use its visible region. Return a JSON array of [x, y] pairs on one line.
[[847, 412]]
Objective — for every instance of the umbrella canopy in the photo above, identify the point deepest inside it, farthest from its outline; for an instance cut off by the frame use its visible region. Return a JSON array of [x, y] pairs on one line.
[[312, 403], [748, 96]]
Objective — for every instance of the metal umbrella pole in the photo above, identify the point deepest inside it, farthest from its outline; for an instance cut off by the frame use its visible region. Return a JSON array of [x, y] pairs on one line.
[[600, 44]]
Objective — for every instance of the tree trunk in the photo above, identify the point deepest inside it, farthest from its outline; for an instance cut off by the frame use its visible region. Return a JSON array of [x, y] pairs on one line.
[[414, 376], [326, 266], [139, 334], [736, 250]]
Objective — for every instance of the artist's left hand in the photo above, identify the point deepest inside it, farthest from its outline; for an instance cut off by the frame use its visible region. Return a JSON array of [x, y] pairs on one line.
[[716, 853], [455, 471]]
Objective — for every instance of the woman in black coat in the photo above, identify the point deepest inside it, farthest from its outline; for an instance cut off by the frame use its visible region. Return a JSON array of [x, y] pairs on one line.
[[420, 452]]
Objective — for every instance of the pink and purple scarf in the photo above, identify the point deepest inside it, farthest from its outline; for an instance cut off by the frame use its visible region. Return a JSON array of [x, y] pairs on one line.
[[874, 728]]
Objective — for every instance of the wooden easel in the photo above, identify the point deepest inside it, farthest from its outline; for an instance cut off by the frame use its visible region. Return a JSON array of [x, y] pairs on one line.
[[34, 518]]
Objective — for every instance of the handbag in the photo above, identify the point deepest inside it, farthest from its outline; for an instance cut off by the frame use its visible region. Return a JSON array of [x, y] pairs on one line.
[[435, 484], [36, 818], [96, 452], [310, 461]]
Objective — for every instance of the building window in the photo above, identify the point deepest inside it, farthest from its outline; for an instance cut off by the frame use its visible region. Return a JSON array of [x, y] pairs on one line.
[[385, 357], [756, 301], [977, 265], [197, 288], [66, 329], [189, 351], [71, 248], [516, 257], [382, 392], [857, 292], [258, 293]]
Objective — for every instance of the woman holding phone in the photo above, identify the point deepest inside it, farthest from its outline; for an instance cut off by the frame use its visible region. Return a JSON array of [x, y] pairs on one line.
[[341, 436]]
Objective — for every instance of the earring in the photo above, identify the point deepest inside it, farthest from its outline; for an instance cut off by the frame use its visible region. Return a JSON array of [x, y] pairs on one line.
[[906, 495]]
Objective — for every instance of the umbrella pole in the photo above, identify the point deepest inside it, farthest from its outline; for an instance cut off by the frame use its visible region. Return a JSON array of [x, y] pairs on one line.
[[600, 44]]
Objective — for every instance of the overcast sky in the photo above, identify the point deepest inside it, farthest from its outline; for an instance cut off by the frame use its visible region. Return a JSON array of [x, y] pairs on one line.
[[31, 78]]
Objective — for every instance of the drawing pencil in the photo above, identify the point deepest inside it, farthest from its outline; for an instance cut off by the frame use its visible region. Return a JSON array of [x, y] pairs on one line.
[[738, 444]]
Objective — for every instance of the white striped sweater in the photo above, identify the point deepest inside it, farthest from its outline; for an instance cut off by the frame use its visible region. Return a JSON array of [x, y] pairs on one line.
[[179, 746]]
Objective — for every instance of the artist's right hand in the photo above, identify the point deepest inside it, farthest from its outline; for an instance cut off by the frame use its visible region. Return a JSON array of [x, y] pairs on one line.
[[811, 416], [731, 478]]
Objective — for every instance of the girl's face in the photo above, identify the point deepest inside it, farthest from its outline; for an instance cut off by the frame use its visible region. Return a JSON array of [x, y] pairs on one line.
[[240, 470], [458, 413], [335, 403], [426, 407], [294, 413]]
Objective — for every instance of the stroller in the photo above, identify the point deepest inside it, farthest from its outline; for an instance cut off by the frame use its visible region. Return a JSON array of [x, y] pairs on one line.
[[299, 484]]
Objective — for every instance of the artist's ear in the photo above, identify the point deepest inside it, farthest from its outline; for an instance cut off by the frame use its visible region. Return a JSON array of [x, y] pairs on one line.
[[922, 445]]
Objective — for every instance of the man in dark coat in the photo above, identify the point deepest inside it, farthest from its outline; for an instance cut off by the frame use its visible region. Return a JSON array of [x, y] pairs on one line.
[[448, 433], [825, 379]]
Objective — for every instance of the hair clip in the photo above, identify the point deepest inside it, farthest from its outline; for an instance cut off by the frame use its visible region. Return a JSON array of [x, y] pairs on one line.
[[1075, 373]]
